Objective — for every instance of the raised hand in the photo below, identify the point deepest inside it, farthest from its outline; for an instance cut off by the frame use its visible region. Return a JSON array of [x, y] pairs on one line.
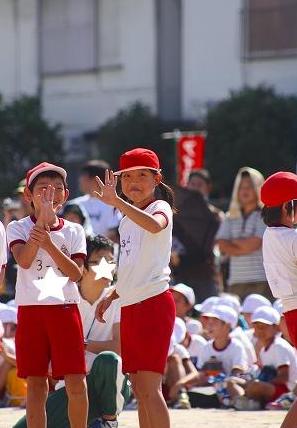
[[47, 214], [107, 190]]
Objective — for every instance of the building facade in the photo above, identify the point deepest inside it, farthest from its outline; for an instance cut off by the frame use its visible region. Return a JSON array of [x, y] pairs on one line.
[[89, 58]]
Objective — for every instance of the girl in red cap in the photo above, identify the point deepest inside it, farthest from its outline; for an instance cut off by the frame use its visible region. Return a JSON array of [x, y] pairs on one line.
[[279, 195], [147, 306]]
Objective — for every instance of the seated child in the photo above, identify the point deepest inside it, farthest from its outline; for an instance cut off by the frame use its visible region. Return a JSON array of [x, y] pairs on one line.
[[277, 357]]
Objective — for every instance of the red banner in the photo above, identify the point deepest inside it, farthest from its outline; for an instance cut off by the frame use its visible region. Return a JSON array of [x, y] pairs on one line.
[[190, 155]]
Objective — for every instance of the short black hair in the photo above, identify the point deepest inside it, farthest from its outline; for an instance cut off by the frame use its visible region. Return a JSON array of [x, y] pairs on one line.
[[201, 173], [97, 243], [272, 215], [95, 168], [75, 209], [49, 174]]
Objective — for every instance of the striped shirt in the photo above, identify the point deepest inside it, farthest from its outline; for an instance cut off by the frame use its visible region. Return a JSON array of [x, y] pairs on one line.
[[247, 268]]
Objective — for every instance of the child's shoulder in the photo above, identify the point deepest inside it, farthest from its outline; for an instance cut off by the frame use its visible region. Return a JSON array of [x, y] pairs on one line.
[[73, 227], [24, 222], [159, 204], [281, 343]]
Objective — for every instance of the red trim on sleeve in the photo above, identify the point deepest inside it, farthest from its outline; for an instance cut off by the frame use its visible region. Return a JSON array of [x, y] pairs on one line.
[[164, 215], [78, 256], [16, 241], [3, 266]]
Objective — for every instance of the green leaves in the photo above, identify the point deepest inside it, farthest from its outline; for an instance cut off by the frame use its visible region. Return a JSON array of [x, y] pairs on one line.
[[25, 139], [254, 127]]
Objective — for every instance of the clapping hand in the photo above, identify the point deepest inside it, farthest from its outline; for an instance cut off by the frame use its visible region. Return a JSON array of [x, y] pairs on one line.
[[47, 214]]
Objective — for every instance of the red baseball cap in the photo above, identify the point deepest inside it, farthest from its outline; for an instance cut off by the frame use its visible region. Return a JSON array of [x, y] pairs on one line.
[[138, 159], [279, 188], [43, 167]]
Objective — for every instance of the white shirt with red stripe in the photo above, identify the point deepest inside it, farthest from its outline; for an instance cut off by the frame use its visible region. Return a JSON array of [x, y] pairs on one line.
[[67, 236], [280, 256], [281, 353], [3, 246], [144, 258]]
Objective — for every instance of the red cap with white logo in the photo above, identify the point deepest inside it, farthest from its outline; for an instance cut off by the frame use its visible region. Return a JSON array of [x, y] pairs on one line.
[[43, 167]]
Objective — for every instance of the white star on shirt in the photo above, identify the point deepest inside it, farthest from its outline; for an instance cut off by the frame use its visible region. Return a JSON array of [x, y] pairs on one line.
[[51, 285], [104, 269]]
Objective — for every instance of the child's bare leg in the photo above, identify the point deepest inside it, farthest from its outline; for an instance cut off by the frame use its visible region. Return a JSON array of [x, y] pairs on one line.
[[150, 392], [291, 417], [4, 369], [37, 390], [142, 413], [261, 391], [77, 400], [234, 389], [175, 371]]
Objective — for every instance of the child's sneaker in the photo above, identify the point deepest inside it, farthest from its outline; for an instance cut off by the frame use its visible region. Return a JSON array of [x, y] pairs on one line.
[[183, 401], [109, 424], [96, 424], [245, 403], [132, 405]]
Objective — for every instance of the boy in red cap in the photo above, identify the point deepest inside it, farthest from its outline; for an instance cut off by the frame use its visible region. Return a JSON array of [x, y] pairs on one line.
[[279, 196], [50, 253], [147, 306]]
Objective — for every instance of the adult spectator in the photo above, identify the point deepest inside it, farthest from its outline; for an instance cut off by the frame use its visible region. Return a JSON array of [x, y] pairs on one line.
[[194, 230], [104, 218], [240, 236]]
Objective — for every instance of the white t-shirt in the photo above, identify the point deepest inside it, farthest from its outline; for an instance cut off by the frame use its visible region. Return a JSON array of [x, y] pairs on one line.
[[103, 217], [240, 335], [280, 263], [69, 237], [231, 357], [143, 270], [281, 353], [3, 246], [95, 330], [195, 348]]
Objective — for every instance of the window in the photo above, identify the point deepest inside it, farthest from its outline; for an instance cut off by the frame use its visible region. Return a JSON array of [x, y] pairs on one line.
[[270, 28], [78, 35]]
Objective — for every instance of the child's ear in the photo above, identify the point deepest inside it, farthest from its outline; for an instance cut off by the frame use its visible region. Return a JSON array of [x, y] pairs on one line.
[[66, 195], [28, 195], [158, 178]]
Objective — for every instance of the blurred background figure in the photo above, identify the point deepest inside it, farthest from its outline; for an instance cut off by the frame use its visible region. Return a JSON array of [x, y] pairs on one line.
[[194, 229], [240, 236], [104, 218], [78, 214]]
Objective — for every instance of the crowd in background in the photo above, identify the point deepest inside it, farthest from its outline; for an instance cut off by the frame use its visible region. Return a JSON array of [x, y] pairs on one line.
[[229, 334]]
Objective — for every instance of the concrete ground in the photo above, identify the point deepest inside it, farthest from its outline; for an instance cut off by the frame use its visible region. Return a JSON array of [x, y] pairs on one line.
[[195, 418]]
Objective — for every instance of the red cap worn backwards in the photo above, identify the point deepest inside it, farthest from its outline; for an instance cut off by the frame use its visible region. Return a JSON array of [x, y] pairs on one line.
[[279, 188], [43, 167], [138, 159]]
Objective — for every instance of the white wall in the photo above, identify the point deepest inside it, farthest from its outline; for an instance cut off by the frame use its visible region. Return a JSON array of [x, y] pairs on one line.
[[18, 48], [280, 73], [84, 101], [212, 64], [211, 52]]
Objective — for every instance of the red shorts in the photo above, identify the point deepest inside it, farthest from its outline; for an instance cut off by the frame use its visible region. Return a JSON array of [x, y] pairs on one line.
[[291, 321], [279, 390], [146, 329], [49, 333]]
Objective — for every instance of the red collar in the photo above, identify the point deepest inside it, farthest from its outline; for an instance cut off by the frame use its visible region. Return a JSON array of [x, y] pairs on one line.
[[52, 229], [221, 349]]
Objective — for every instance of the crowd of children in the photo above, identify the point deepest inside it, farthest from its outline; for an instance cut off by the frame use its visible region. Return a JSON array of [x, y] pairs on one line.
[[85, 340]]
